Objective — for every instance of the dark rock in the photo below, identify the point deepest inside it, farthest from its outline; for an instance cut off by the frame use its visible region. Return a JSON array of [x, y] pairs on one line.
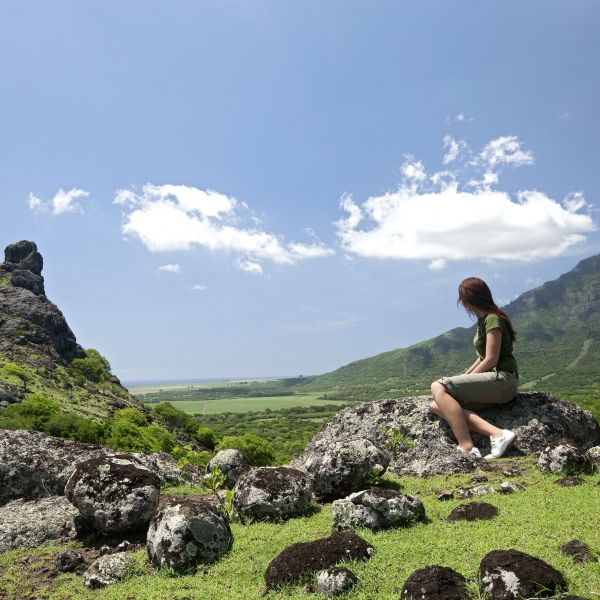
[[114, 493], [511, 575], [185, 532], [508, 487], [444, 495], [303, 558], [22, 255], [68, 560], [31, 524], [108, 569], [435, 583], [335, 581], [479, 479], [341, 467], [8, 397], [272, 493], [28, 281], [376, 508], [231, 463], [473, 511], [563, 456], [579, 551], [569, 481]]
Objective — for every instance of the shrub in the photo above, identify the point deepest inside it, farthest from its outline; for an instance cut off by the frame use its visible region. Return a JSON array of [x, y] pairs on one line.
[[124, 434], [206, 437], [12, 369], [73, 427], [258, 452], [36, 410], [131, 415], [170, 415], [94, 367]]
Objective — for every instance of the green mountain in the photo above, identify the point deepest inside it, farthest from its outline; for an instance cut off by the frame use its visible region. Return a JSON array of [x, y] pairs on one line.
[[558, 347]]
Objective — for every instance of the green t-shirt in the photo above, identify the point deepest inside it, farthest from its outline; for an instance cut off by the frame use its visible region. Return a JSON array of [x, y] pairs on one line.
[[506, 360]]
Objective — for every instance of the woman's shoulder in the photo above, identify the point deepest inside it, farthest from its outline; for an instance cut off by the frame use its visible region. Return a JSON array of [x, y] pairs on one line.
[[491, 321]]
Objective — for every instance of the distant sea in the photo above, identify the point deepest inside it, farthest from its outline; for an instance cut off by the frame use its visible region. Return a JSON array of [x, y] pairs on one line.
[[141, 382]]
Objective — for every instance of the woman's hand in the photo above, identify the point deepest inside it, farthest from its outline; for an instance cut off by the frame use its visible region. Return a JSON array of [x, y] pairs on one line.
[[493, 341]]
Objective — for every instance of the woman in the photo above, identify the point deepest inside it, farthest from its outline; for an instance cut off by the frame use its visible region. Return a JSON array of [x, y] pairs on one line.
[[492, 379]]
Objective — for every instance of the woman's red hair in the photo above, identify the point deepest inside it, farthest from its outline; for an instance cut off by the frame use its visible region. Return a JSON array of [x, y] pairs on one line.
[[474, 293]]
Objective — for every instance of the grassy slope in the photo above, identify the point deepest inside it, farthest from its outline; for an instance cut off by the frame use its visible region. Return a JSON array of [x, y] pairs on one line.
[[534, 521]]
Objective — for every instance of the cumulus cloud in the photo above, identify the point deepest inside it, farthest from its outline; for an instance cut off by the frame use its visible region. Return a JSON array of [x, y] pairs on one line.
[[177, 217], [435, 218], [454, 149], [169, 269], [62, 202]]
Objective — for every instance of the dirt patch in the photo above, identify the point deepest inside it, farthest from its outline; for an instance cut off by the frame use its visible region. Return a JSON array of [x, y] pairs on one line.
[[569, 481], [301, 559], [473, 511], [435, 583], [579, 551], [276, 480]]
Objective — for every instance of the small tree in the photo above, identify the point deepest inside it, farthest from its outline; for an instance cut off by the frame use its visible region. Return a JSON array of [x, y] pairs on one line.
[[17, 371]]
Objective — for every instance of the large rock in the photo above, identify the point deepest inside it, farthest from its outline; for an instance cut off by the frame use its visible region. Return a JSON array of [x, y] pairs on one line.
[[114, 493], [31, 524], [435, 583], [303, 558], [231, 463], [272, 493], [512, 575], [564, 456], [376, 508], [341, 466], [49, 462], [110, 568], [185, 532], [23, 264], [537, 417]]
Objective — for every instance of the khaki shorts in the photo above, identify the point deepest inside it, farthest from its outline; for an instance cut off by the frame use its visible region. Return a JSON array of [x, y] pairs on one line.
[[481, 390]]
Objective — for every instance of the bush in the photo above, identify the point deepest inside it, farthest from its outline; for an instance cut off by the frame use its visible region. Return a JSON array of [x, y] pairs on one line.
[[258, 452], [170, 415], [94, 367], [132, 416], [73, 427], [35, 411], [206, 437], [124, 434], [14, 370]]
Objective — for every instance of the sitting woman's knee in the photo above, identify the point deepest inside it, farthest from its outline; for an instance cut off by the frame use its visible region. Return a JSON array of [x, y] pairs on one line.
[[436, 387]]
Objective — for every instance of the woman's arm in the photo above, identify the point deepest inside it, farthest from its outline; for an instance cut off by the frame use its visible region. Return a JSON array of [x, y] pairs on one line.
[[493, 340], [470, 369]]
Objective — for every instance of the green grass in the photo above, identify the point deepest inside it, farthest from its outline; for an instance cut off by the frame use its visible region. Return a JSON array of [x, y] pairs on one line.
[[243, 405], [140, 390], [537, 521]]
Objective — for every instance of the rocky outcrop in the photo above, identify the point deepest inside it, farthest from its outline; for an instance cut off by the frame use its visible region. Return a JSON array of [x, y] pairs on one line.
[[49, 462], [187, 531], [341, 466], [231, 463], [32, 524], [108, 569], [563, 456], [377, 508], [115, 494], [272, 493], [335, 581], [435, 583], [23, 266]]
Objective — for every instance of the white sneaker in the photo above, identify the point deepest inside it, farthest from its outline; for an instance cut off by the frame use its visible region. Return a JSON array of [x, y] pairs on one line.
[[502, 444], [474, 452]]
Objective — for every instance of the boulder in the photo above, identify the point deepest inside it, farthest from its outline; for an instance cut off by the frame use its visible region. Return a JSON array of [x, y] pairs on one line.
[[563, 456], [110, 568], [579, 551], [22, 255], [8, 397], [114, 493], [272, 493], [31, 524], [342, 466], [473, 511], [335, 581], [49, 462], [512, 575], [376, 508], [303, 558], [67, 561], [594, 456], [231, 463], [187, 531], [435, 583]]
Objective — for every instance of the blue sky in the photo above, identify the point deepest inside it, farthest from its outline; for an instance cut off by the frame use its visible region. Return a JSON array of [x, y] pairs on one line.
[[258, 188]]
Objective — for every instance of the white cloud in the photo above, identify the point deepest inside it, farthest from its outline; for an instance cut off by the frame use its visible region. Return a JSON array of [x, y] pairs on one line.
[[436, 219], [61, 203], [169, 269], [199, 286], [176, 217], [454, 148], [249, 266]]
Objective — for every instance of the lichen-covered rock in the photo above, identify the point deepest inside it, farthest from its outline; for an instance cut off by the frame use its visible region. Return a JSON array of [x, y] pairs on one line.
[[593, 455], [67, 561], [563, 456], [342, 466], [231, 463], [473, 511], [272, 493], [511, 575], [508, 487], [298, 560], [335, 581], [108, 569], [49, 462], [474, 492], [31, 524], [187, 531], [435, 583], [114, 493], [376, 508]]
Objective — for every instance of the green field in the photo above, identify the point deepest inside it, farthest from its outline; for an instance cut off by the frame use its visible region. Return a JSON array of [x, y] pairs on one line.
[[242, 405], [140, 390]]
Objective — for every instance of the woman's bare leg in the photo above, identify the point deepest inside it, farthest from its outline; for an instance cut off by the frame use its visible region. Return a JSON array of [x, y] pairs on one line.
[[445, 406], [477, 424]]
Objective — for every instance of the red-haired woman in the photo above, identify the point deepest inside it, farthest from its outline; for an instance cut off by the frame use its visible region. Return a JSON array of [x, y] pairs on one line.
[[491, 380]]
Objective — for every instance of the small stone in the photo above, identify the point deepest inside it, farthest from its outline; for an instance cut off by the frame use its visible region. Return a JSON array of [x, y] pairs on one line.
[[579, 551], [508, 487], [435, 583], [474, 492], [104, 550], [479, 479], [511, 473], [335, 581], [124, 545], [68, 561], [569, 481], [108, 569], [473, 511], [444, 495]]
